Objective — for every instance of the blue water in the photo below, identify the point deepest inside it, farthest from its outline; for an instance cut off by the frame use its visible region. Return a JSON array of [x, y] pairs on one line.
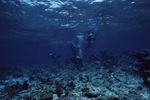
[[31, 29]]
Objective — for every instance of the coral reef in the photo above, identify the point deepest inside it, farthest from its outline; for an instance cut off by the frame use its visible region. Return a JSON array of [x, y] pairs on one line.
[[105, 76], [144, 70]]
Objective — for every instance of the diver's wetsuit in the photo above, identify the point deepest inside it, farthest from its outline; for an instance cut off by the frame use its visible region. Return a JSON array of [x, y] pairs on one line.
[[76, 59], [78, 63], [90, 38]]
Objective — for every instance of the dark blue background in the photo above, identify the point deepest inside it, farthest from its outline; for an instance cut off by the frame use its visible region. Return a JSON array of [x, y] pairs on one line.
[[22, 41]]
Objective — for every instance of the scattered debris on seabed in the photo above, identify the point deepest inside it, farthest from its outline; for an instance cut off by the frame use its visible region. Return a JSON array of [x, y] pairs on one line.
[[102, 77]]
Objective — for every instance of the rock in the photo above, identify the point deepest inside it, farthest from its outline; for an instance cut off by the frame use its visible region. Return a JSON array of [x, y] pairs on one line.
[[47, 96], [58, 89], [25, 85], [91, 95], [55, 97]]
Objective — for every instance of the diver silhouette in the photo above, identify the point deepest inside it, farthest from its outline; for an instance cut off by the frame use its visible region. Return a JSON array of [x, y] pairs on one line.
[[76, 59], [76, 48], [90, 38]]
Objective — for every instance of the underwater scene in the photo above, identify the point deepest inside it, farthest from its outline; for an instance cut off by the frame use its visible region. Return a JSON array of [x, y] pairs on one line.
[[74, 49]]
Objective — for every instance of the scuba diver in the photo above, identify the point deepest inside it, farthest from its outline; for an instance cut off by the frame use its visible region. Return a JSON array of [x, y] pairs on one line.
[[76, 59], [90, 38], [76, 49], [55, 58]]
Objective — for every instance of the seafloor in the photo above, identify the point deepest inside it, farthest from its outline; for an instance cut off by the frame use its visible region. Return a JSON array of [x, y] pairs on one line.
[[102, 77]]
